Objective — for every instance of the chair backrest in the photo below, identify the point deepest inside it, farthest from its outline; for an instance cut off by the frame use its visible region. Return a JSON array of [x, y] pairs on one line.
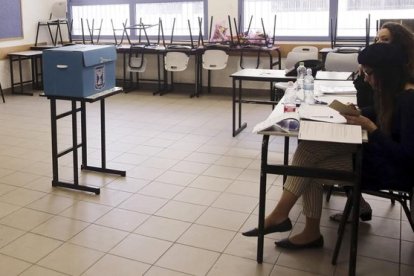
[[305, 49], [341, 62], [294, 57], [59, 10], [215, 59], [176, 61], [137, 64]]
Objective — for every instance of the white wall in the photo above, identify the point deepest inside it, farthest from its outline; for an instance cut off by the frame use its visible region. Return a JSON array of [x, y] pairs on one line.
[[33, 11]]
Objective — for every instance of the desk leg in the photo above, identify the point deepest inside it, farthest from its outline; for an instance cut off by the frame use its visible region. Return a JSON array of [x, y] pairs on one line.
[[20, 75], [83, 136], [355, 215], [103, 134], [286, 156], [33, 65], [262, 199], [239, 100], [53, 124], [11, 74], [75, 144], [159, 75]]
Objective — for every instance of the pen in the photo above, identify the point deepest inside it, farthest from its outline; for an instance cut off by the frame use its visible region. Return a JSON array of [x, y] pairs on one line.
[[320, 102], [323, 116]]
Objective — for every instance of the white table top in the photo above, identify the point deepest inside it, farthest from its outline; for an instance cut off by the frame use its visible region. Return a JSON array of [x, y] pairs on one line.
[[26, 53], [262, 73]]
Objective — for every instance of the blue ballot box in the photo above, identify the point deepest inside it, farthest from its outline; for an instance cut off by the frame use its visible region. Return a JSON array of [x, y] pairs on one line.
[[78, 70]]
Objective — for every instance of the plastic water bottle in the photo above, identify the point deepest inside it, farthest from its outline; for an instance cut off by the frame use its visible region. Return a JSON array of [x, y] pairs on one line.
[[308, 85], [301, 75], [289, 100]]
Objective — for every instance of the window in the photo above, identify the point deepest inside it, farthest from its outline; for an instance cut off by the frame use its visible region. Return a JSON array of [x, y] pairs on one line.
[[310, 19], [294, 17], [136, 11], [352, 14]]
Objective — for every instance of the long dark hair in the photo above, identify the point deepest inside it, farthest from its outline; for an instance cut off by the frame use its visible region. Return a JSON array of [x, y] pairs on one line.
[[388, 65], [389, 82], [404, 38]]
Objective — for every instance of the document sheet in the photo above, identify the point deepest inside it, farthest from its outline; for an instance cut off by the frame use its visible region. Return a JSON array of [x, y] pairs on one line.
[[329, 132]]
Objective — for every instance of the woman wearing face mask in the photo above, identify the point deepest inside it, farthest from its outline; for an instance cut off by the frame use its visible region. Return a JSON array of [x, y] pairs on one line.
[[399, 35], [393, 33], [388, 157]]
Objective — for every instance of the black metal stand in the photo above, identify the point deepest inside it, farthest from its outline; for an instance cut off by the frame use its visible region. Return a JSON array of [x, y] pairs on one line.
[[83, 145]]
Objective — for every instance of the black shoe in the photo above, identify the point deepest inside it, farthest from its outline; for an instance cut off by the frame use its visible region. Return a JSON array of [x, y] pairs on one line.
[[287, 244], [284, 226], [365, 213]]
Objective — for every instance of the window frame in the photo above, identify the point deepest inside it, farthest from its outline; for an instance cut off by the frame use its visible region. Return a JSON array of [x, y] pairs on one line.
[[133, 17]]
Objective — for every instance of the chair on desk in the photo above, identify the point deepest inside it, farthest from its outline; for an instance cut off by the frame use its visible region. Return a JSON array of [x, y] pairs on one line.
[[214, 59], [137, 62], [58, 17], [94, 38], [116, 30]]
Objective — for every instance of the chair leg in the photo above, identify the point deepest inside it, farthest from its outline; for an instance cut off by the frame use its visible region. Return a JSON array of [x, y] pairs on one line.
[[329, 193], [2, 93], [407, 213], [392, 200], [341, 229], [209, 81]]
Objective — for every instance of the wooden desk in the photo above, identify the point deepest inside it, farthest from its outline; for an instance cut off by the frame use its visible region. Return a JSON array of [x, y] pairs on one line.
[[35, 57]]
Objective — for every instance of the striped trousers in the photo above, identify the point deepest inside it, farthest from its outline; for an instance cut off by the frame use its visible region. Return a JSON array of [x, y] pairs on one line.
[[318, 155]]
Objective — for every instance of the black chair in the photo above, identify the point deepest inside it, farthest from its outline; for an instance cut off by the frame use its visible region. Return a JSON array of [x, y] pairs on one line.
[[403, 197]]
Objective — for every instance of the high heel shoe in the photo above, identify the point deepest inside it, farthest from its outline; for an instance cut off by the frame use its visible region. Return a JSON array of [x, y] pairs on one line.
[[365, 213]]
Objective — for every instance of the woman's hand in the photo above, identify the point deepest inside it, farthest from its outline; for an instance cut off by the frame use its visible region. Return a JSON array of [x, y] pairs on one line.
[[363, 121]]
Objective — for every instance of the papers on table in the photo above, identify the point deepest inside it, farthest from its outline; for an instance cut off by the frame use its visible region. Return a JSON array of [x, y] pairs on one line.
[[337, 90], [321, 113], [328, 132]]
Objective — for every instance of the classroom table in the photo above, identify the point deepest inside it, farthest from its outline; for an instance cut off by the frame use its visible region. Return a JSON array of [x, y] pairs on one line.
[[288, 170], [265, 75], [35, 58], [262, 75]]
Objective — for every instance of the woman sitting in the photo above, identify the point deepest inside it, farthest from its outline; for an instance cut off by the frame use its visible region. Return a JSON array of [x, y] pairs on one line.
[[388, 157]]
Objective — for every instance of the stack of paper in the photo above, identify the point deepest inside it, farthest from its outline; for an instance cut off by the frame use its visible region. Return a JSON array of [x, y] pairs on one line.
[[328, 132], [338, 90]]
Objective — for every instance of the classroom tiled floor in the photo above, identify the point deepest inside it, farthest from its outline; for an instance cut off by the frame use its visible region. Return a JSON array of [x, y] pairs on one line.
[[190, 190]]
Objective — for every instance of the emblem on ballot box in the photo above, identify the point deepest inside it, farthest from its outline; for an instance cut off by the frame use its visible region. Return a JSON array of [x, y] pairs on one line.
[[99, 77]]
